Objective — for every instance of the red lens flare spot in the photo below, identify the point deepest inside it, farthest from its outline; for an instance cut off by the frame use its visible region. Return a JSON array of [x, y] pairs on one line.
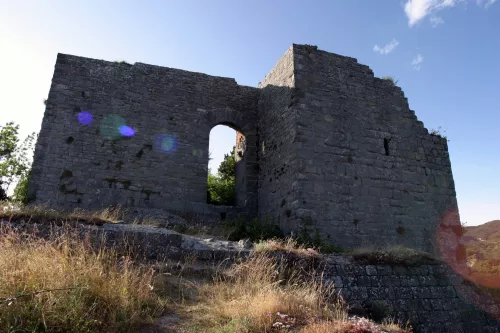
[[456, 250]]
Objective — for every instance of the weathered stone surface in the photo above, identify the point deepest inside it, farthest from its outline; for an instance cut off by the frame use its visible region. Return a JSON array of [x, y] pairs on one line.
[[414, 294], [328, 148]]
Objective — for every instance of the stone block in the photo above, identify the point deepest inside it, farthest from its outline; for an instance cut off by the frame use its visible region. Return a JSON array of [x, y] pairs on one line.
[[371, 270], [384, 270], [403, 292]]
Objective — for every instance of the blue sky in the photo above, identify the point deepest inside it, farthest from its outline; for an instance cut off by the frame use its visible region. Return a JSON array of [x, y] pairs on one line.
[[445, 54]]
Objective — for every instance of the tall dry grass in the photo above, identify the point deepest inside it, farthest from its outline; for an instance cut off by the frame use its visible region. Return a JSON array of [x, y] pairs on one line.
[[61, 286], [43, 214], [250, 294], [284, 245]]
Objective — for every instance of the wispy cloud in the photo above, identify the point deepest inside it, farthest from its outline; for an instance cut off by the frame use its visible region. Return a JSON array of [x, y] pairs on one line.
[[485, 3], [386, 49], [417, 61], [416, 10], [436, 20]]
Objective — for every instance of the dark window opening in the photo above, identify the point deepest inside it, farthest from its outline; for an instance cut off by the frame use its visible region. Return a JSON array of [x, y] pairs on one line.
[[386, 146]]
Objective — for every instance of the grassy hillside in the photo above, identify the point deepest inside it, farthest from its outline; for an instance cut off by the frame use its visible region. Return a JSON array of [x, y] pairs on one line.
[[483, 252], [66, 284]]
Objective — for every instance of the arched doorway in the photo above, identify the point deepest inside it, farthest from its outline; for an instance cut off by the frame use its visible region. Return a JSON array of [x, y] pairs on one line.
[[226, 183]]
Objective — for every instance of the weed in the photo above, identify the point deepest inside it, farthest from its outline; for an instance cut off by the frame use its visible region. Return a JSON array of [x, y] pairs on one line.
[[394, 255], [438, 132], [379, 310], [391, 80]]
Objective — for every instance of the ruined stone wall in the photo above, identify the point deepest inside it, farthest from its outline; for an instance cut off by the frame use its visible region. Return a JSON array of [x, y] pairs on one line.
[[431, 296], [369, 173], [328, 147], [135, 135], [277, 128]]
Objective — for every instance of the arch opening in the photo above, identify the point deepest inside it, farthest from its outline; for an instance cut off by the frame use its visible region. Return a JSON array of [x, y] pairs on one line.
[[226, 167]]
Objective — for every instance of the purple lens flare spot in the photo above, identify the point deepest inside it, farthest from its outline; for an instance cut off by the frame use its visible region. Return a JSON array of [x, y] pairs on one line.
[[166, 143], [127, 131], [85, 118]]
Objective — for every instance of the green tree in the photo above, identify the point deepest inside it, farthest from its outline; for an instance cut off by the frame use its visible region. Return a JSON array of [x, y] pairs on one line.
[[21, 190], [227, 167], [15, 156], [221, 189]]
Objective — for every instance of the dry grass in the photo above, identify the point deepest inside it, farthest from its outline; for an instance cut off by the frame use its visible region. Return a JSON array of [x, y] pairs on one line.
[[61, 286], [260, 295], [392, 325], [358, 325], [248, 296], [397, 255], [287, 245], [328, 327], [43, 214]]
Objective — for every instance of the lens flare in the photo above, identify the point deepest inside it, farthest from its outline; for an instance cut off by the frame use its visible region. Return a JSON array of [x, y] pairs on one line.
[[111, 125], [166, 143], [127, 131], [85, 118], [450, 240]]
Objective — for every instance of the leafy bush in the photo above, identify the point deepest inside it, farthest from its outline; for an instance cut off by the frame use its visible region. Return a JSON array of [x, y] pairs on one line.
[[315, 241], [254, 229], [21, 190], [222, 187], [15, 157], [378, 310], [220, 191]]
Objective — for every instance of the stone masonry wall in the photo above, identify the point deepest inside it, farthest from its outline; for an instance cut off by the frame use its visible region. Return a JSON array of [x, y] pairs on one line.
[[276, 135], [369, 173], [431, 296], [328, 147], [82, 159]]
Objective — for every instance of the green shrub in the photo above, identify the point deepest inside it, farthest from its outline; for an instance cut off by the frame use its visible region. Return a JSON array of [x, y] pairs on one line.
[[378, 310], [315, 241], [254, 229], [220, 191], [21, 191], [222, 187]]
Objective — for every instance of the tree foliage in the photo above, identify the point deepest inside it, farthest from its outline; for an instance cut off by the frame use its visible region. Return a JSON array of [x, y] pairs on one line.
[[221, 187], [15, 159], [227, 167]]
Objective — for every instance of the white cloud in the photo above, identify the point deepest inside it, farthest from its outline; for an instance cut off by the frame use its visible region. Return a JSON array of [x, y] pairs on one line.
[[417, 61], [416, 10], [386, 49], [485, 3], [436, 20]]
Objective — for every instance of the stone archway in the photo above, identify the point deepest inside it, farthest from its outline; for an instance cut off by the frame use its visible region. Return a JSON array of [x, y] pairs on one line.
[[246, 172]]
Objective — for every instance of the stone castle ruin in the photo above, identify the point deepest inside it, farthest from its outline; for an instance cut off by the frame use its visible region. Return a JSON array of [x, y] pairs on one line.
[[322, 145]]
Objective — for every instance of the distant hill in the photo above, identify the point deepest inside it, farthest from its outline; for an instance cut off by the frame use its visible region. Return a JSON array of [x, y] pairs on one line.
[[482, 243], [486, 231]]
